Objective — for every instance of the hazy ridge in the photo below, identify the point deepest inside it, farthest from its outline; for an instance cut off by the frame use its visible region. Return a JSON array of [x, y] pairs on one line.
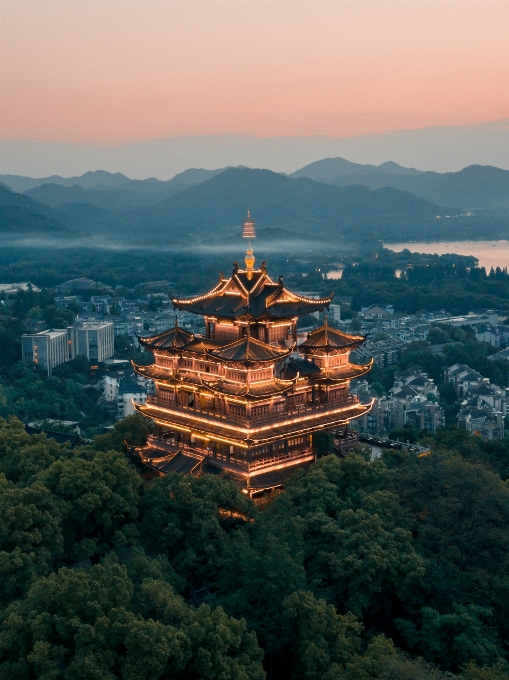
[[332, 199]]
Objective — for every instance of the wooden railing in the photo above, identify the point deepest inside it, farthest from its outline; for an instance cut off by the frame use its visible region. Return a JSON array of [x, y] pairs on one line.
[[291, 412], [168, 443]]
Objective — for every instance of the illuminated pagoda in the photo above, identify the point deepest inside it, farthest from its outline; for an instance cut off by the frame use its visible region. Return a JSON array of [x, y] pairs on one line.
[[244, 400]]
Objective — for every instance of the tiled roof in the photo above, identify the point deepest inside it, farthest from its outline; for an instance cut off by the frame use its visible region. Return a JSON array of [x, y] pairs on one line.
[[249, 350], [174, 338], [260, 390], [251, 295], [328, 338], [303, 367], [236, 434]]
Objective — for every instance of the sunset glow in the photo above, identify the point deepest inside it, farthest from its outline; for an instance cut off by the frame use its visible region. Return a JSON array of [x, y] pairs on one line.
[[116, 72]]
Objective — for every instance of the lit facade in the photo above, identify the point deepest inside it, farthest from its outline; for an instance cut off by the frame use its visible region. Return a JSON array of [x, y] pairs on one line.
[[47, 349], [244, 401]]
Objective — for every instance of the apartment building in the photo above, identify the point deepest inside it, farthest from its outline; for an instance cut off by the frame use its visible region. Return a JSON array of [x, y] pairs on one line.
[[47, 349], [91, 339]]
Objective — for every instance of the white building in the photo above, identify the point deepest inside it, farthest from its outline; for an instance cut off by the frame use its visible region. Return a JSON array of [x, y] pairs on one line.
[[122, 387], [129, 391], [47, 349], [93, 340]]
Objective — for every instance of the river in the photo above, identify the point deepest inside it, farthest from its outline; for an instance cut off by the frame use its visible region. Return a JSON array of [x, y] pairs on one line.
[[489, 253]]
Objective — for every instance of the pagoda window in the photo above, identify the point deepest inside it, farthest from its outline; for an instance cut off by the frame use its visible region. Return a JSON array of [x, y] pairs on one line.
[[338, 360], [164, 361], [187, 364], [226, 332], [166, 396], [237, 410], [260, 410], [277, 333], [233, 375]]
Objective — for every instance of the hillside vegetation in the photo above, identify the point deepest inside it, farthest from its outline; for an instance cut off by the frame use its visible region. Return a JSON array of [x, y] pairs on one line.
[[395, 568]]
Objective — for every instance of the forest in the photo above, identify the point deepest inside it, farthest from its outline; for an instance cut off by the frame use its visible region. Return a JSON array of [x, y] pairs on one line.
[[392, 568]]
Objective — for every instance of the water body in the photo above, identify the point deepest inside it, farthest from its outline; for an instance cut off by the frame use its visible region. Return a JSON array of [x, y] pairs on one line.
[[489, 253]]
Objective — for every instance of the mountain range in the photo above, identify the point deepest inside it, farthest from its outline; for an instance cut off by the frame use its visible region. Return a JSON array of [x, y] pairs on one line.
[[332, 199], [476, 187]]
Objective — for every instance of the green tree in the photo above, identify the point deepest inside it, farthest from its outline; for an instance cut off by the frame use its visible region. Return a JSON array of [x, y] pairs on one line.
[[83, 625], [189, 521], [353, 545], [132, 429], [34, 313], [98, 493], [455, 638], [323, 443], [325, 644]]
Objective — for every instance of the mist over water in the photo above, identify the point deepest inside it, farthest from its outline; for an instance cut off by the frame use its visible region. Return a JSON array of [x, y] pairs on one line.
[[489, 253]]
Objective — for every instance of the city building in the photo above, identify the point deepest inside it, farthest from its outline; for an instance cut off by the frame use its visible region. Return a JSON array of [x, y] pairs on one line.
[[377, 312], [463, 378], [80, 284], [13, 288], [93, 340], [130, 392], [410, 400], [120, 387], [478, 417], [243, 401], [383, 352], [47, 349]]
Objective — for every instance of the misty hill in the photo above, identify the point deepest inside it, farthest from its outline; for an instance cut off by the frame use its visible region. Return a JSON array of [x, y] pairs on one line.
[[101, 179], [112, 199], [88, 180], [305, 208], [476, 187], [331, 168], [92, 221], [194, 176], [21, 217], [212, 211]]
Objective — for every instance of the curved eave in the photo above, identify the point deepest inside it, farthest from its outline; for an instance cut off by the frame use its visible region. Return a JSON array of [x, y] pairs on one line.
[[218, 289], [276, 354], [327, 349], [352, 373], [258, 436], [250, 393], [153, 372]]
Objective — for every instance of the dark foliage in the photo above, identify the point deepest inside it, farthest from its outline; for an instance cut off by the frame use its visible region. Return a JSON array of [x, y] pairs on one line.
[[97, 568]]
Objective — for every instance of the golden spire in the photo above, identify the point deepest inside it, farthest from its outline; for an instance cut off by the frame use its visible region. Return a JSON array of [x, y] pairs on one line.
[[249, 232], [249, 260]]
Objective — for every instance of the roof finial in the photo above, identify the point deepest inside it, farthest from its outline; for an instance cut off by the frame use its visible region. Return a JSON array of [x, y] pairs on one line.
[[249, 260]]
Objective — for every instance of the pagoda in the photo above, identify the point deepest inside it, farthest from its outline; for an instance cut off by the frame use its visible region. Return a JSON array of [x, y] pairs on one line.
[[244, 400]]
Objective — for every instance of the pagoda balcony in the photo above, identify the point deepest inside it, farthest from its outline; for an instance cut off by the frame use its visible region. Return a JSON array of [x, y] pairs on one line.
[[278, 417], [170, 445]]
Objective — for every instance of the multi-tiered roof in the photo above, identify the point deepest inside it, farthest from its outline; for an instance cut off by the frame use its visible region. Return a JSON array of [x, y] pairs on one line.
[[251, 295], [246, 397]]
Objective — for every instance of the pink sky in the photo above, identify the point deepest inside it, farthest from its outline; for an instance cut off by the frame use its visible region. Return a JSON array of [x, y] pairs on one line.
[[111, 72]]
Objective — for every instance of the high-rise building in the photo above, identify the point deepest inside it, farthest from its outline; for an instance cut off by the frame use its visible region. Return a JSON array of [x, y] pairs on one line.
[[47, 349], [94, 340], [244, 401]]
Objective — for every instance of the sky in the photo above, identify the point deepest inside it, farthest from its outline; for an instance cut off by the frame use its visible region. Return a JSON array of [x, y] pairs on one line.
[[125, 82]]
